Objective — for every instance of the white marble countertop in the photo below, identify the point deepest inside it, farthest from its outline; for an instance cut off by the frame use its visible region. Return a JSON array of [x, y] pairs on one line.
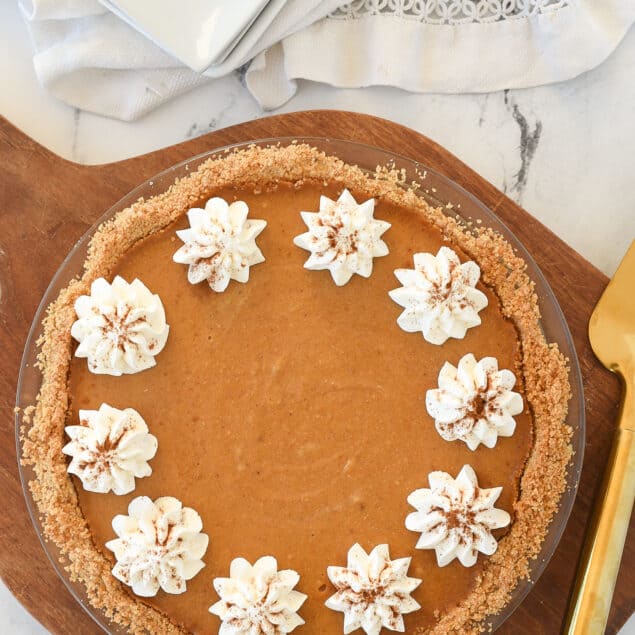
[[564, 152]]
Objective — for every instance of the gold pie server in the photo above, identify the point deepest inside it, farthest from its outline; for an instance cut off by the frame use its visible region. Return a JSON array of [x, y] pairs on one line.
[[612, 336]]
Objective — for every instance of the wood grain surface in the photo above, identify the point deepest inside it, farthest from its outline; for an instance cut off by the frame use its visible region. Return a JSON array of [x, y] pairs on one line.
[[47, 203]]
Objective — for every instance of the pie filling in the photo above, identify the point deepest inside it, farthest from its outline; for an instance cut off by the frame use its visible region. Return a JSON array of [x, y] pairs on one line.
[[298, 418]]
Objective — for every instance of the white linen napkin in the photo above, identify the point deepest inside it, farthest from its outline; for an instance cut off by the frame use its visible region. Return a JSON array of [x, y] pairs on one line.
[[90, 58], [444, 46]]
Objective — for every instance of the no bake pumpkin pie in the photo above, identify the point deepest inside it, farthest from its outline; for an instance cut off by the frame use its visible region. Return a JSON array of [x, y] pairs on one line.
[[353, 420]]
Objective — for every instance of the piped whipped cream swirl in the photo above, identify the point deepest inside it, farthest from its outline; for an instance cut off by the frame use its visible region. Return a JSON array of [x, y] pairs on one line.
[[109, 449], [456, 517], [373, 591], [474, 402], [343, 237], [159, 546], [220, 244], [120, 327], [439, 296], [258, 599]]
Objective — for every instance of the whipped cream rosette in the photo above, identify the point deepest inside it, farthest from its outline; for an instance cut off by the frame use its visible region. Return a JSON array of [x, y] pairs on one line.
[[439, 296], [343, 237], [258, 598], [120, 327], [220, 244], [474, 402], [109, 449], [159, 546], [456, 517], [373, 591]]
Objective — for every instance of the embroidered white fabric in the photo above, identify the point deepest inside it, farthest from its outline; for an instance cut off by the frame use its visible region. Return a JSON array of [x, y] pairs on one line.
[[448, 11], [429, 46]]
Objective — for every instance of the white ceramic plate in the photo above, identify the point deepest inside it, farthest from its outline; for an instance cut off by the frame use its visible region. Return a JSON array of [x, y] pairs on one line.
[[200, 33]]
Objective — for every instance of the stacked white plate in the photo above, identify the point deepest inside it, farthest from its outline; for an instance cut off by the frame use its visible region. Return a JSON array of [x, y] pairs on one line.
[[200, 33]]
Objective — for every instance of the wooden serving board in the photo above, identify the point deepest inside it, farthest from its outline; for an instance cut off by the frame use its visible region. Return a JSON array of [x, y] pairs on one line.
[[47, 203]]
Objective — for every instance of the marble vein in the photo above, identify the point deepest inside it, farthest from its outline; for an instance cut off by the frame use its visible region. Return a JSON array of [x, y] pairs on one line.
[[529, 140], [196, 129]]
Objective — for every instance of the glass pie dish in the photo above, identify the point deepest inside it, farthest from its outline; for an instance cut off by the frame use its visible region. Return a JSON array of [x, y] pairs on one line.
[[439, 191]]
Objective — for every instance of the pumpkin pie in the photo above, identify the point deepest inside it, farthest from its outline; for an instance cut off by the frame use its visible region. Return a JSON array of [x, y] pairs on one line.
[[287, 395]]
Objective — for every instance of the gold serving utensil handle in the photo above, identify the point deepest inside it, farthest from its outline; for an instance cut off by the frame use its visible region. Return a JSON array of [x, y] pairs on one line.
[[600, 560]]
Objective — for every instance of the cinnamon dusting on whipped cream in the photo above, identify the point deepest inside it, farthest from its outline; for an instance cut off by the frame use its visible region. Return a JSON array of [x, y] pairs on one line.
[[109, 449], [220, 244], [159, 545], [373, 591], [120, 327], [258, 599], [474, 402], [456, 517], [439, 296], [343, 237]]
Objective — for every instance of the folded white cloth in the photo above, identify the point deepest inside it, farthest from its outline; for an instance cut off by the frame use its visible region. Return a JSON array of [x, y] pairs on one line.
[[90, 58]]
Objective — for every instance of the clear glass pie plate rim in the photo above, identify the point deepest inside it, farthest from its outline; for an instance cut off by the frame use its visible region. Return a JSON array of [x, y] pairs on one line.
[[439, 190]]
